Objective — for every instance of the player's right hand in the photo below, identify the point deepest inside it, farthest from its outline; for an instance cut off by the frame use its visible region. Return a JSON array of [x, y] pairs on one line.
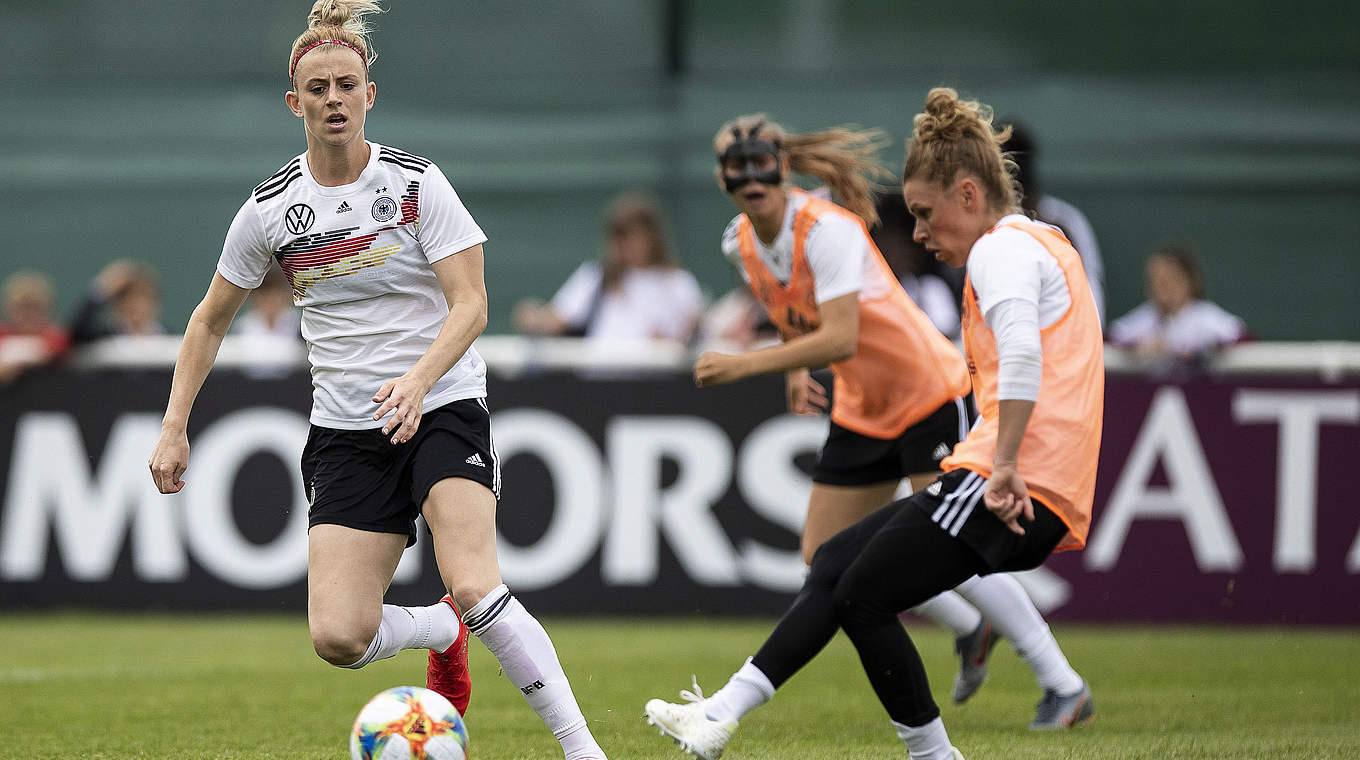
[[805, 395], [1007, 497], [169, 460]]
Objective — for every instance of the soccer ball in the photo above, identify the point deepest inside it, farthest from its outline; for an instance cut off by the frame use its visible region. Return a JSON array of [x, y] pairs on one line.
[[408, 723]]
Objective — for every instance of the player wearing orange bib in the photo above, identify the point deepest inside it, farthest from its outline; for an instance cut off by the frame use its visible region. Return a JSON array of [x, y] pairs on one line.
[[898, 405], [1034, 349]]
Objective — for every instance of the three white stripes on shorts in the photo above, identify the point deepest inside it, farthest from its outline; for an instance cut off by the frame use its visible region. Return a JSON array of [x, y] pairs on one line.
[[954, 511], [495, 460]]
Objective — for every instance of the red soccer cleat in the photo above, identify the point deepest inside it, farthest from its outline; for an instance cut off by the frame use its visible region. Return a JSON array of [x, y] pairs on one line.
[[447, 672]]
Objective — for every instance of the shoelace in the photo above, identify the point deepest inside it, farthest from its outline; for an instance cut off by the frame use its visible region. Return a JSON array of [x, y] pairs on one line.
[[693, 696]]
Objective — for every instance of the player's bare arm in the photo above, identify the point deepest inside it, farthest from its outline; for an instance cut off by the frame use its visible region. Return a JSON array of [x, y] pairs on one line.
[[832, 341], [202, 338], [1007, 496]]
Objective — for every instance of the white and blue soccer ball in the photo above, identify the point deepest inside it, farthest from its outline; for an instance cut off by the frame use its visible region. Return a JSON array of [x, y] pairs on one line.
[[408, 723]]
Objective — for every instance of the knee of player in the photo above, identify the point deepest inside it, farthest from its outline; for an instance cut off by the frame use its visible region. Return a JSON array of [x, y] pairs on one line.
[[338, 645], [853, 604], [809, 550], [467, 595]]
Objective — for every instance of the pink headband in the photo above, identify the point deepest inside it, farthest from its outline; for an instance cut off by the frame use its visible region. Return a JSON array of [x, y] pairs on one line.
[[292, 67]]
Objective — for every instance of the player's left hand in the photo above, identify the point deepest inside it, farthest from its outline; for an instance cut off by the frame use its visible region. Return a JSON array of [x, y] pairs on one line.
[[403, 397], [1007, 497], [714, 368]]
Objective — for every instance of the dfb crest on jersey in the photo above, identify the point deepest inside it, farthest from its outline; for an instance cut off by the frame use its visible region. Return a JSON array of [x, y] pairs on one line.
[[384, 209], [298, 218]]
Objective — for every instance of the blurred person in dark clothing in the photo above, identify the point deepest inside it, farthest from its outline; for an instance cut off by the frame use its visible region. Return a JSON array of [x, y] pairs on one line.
[[1057, 212], [28, 336], [124, 300], [918, 272]]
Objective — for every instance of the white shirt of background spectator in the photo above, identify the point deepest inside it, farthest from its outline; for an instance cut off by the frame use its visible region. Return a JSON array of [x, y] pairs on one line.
[[837, 251], [1198, 326], [373, 324], [654, 302]]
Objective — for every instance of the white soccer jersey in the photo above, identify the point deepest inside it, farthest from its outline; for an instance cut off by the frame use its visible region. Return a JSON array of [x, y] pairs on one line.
[[837, 252], [359, 257]]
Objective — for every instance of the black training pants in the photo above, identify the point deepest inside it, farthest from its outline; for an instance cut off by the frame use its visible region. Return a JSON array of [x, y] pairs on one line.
[[864, 576]]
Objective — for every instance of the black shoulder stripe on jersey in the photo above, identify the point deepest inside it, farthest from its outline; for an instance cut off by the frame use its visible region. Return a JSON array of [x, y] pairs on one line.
[[278, 175], [413, 158], [279, 186], [281, 181], [417, 168]]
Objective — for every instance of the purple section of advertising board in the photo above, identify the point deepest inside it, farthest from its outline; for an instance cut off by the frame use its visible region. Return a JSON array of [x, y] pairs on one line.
[[1251, 557]]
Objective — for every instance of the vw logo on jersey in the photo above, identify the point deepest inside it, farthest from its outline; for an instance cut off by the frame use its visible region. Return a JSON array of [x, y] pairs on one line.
[[298, 218], [384, 209]]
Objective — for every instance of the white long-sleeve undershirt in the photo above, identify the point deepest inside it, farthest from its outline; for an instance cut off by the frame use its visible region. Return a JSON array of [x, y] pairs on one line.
[[1020, 290], [1020, 355]]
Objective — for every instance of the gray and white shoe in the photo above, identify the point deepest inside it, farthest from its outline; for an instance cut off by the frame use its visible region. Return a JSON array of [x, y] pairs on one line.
[[974, 650], [1056, 712]]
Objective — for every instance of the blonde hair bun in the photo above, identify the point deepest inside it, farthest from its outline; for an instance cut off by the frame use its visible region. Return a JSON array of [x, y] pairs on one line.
[[950, 136], [345, 14], [342, 20]]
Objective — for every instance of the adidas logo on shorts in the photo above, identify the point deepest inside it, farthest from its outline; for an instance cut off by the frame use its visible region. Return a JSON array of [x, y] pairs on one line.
[[941, 451], [475, 459]]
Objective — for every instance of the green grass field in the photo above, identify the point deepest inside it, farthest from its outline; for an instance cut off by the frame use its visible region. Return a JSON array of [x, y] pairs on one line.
[[248, 686]]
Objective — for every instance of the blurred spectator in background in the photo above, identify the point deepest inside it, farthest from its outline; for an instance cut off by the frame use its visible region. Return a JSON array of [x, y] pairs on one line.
[[913, 265], [270, 309], [28, 336], [1057, 212], [1176, 323], [124, 300], [273, 323], [737, 321], [635, 290]]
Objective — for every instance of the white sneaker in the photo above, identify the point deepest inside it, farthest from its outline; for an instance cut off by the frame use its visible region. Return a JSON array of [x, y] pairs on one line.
[[689, 726]]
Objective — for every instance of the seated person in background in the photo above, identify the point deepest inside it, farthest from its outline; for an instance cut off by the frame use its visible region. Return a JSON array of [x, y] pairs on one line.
[[269, 315], [1176, 322], [270, 309], [28, 336], [636, 290], [124, 300], [737, 321], [913, 265], [1057, 212]]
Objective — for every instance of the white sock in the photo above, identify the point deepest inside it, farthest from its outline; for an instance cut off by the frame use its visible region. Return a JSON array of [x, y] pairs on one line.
[[951, 611], [928, 742], [434, 627], [1011, 612], [527, 657], [747, 689]]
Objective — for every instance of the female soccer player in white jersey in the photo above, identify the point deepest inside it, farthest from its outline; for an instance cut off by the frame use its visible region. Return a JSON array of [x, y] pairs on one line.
[[1034, 349], [386, 264]]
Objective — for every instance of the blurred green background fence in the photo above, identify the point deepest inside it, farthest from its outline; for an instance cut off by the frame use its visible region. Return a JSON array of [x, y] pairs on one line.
[[137, 129]]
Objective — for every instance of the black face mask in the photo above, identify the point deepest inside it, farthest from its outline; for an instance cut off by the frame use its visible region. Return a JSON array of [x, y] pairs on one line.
[[744, 152]]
